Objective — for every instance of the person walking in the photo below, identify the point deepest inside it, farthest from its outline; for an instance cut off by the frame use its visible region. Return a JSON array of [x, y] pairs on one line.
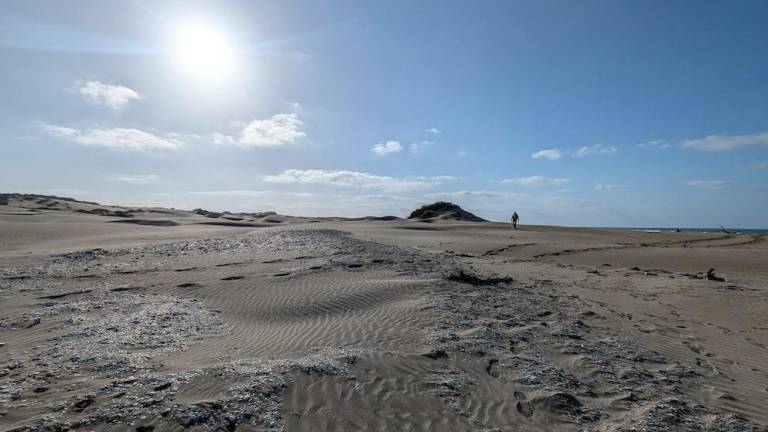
[[515, 218]]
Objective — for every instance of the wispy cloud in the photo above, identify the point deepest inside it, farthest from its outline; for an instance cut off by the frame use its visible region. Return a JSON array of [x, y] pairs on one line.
[[115, 138], [716, 143], [434, 131], [480, 194], [551, 154], [419, 147], [112, 96], [239, 193], [708, 184], [387, 147], [135, 178], [609, 187], [351, 179], [594, 150], [537, 181], [655, 144], [555, 153], [278, 130], [462, 153], [59, 131]]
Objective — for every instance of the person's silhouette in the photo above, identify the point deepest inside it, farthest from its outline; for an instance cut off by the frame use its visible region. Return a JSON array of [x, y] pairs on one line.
[[515, 218]]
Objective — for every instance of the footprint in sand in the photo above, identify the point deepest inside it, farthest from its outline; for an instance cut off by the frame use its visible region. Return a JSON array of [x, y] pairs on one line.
[[523, 406]]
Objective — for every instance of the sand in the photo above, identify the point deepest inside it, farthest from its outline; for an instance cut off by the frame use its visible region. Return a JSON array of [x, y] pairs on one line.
[[172, 323]]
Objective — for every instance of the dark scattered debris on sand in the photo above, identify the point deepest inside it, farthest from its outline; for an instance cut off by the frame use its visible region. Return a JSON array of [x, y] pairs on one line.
[[472, 279], [713, 277], [115, 335]]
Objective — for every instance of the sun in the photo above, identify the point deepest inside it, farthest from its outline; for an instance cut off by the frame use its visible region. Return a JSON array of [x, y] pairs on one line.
[[204, 51]]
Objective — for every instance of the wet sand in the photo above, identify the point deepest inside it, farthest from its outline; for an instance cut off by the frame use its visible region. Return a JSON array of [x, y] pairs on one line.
[[298, 324]]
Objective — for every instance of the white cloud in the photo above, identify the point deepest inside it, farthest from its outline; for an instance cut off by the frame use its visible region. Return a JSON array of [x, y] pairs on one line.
[[388, 147], [115, 138], [433, 130], [134, 178], [444, 178], [551, 154], [112, 96], [419, 147], [350, 179], [58, 131], [655, 144], [538, 181], [236, 193], [609, 187], [715, 143], [708, 184], [594, 150], [474, 194], [276, 131]]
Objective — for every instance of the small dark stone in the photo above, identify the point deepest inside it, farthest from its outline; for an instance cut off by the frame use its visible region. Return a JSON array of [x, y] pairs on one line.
[[436, 354], [162, 387], [83, 403]]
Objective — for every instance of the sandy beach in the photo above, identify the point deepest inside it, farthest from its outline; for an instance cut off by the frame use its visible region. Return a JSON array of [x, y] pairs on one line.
[[125, 319]]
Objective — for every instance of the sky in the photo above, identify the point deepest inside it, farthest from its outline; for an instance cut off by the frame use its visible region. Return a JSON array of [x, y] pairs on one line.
[[588, 113]]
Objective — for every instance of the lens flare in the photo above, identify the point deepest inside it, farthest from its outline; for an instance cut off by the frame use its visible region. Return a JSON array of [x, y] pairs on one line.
[[204, 52]]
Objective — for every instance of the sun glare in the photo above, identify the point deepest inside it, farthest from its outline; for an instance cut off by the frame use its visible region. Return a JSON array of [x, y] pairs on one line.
[[204, 52]]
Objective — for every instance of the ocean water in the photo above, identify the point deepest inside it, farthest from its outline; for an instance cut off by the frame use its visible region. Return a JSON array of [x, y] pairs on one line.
[[744, 231]]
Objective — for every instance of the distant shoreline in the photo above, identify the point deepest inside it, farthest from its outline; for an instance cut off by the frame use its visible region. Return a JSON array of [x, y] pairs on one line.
[[752, 231]]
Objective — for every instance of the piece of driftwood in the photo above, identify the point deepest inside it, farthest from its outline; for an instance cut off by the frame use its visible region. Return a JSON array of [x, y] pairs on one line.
[[713, 277]]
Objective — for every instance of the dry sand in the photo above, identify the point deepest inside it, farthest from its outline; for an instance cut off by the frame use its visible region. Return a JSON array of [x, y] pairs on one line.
[[274, 323]]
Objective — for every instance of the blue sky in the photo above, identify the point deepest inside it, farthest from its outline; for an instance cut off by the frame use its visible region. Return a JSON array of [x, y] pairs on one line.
[[593, 113]]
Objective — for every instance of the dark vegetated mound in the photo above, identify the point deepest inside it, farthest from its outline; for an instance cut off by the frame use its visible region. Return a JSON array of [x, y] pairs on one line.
[[42, 198], [152, 222], [106, 212], [381, 218], [444, 210], [261, 214]]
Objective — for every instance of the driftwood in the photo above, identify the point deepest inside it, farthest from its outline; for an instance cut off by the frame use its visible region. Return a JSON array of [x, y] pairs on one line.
[[722, 228], [713, 277]]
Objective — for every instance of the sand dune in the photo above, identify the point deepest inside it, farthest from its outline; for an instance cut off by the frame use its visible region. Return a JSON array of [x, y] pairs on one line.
[[374, 325]]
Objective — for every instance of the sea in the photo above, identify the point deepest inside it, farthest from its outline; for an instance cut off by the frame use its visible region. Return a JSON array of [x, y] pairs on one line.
[[744, 231]]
